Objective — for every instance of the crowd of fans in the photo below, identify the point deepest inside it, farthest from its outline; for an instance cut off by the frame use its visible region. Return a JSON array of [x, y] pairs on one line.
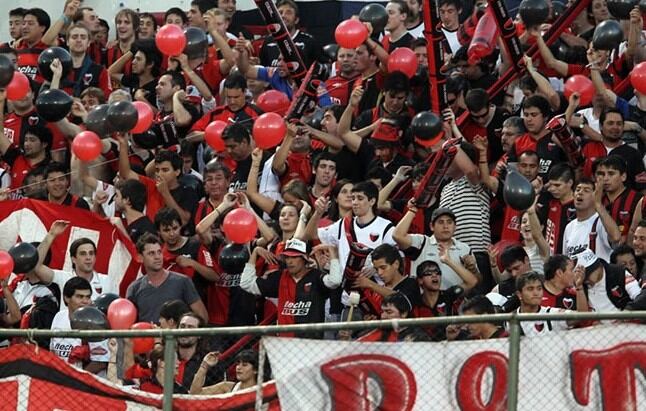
[[334, 203]]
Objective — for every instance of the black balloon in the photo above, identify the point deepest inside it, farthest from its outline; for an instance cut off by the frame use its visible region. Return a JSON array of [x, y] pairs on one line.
[[148, 140], [53, 104], [104, 300], [97, 120], [329, 53], [533, 12], [621, 8], [6, 70], [89, 318], [233, 257], [518, 192], [196, 42], [122, 116], [376, 15], [25, 257], [558, 9], [608, 35], [426, 125], [47, 57], [315, 118]]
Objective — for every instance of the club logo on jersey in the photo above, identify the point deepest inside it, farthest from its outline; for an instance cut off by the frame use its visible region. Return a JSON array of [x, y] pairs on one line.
[[568, 303], [616, 291], [539, 327], [374, 237], [98, 350], [441, 308], [571, 213], [307, 287], [87, 78], [33, 120], [99, 289]]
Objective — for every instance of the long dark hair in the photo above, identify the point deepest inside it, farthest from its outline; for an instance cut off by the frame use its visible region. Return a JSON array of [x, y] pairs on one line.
[[333, 212]]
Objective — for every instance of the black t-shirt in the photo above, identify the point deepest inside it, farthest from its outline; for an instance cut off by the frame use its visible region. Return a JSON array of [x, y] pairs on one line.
[[75, 201], [409, 287], [168, 133], [191, 248], [187, 199], [308, 46], [131, 81], [404, 41], [139, 227]]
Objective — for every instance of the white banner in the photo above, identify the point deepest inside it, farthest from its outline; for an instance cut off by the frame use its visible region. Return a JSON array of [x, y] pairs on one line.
[[600, 368]]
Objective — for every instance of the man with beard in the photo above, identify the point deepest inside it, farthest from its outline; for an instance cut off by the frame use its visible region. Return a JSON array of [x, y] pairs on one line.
[[324, 175], [57, 178], [190, 351], [142, 80], [414, 21], [340, 86], [130, 200]]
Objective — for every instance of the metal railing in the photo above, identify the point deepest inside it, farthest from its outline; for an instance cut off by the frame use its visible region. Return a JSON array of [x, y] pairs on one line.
[[169, 337]]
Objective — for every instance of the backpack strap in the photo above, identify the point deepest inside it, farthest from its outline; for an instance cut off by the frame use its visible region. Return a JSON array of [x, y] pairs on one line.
[[592, 241]]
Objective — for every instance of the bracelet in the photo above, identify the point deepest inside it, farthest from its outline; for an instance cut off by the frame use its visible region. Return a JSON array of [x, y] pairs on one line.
[[66, 20]]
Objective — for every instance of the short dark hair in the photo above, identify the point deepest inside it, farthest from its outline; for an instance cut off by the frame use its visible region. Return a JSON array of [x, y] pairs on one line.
[[554, 263], [41, 17], [146, 238], [476, 99], [530, 153], [235, 81], [171, 156], [390, 253], [400, 302], [457, 85], [236, 132], [200, 321], [146, 15], [479, 304], [336, 110], [562, 172], [79, 242], [214, 166], [204, 5], [368, 188], [604, 114], [104, 23], [621, 250], [176, 78], [379, 173], [539, 102], [418, 42], [56, 167], [151, 53], [176, 10], [166, 217], [134, 191], [456, 3], [174, 310], [586, 181], [42, 133], [403, 6], [290, 3], [75, 283], [396, 82], [527, 82], [512, 254], [17, 12], [426, 265], [614, 162], [324, 156], [526, 278]]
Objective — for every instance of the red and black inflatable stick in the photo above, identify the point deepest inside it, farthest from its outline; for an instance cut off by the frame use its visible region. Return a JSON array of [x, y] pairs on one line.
[[434, 38], [430, 184]]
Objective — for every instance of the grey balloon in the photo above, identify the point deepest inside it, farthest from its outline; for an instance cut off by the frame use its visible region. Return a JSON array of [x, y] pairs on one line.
[[518, 192], [607, 35], [6, 70]]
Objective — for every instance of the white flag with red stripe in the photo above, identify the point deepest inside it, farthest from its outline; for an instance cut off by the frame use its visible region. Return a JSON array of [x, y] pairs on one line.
[[29, 220]]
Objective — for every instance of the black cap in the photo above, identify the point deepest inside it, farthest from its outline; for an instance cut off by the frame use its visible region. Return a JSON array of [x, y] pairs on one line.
[[439, 212]]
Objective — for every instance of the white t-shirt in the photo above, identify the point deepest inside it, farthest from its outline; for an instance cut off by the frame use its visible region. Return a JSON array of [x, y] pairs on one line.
[[62, 347], [598, 296], [26, 292], [576, 238], [429, 251], [100, 283], [108, 207], [534, 328]]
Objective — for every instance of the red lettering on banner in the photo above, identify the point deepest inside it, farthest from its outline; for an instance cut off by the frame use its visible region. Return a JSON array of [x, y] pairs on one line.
[[350, 378], [616, 369], [470, 380]]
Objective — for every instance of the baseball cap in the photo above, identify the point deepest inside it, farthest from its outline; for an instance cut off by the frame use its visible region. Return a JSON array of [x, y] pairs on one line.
[[439, 212], [588, 260], [295, 248]]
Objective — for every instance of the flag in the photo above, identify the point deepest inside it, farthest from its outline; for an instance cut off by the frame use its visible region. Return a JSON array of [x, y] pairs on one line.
[[30, 220]]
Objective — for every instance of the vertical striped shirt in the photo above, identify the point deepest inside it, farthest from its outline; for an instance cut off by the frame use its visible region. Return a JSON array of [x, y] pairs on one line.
[[470, 204]]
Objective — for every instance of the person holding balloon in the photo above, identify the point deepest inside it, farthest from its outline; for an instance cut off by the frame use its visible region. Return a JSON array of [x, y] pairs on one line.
[[398, 35], [144, 75]]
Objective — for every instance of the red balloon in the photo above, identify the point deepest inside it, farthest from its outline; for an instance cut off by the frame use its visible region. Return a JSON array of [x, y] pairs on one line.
[[350, 34], [142, 345], [6, 264], [637, 77], [19, 86], [87, 145], [269, 130], [403, 59], [240, 226], [122, 313], [582, 85], [144, 117], [170, 40], [273, 101], [213, 135]]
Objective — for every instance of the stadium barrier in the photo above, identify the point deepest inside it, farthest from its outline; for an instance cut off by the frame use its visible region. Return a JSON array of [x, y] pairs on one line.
[[598, 366]]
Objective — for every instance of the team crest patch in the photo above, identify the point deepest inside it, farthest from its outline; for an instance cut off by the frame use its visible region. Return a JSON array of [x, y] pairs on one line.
[[33, 120], [307, 287], [374, 237], [616, 292], [441, 308], [98, 350], [87, 78], [539, 326], [568, 302]]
